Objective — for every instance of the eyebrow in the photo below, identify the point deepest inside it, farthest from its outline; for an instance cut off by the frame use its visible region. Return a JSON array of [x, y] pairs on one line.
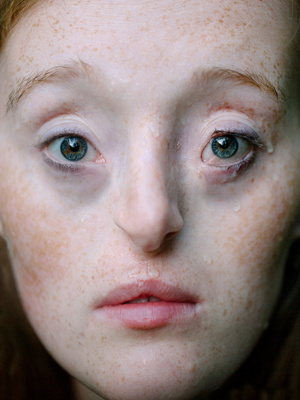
[[236, 77], [61, 73], [82, 70]]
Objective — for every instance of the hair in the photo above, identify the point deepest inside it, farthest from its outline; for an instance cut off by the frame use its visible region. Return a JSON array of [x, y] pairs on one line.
[[11, 11], [272, 372], [26, 370]]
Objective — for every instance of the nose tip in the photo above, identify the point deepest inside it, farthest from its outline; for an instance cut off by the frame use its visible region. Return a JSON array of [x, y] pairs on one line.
[[149, 222]]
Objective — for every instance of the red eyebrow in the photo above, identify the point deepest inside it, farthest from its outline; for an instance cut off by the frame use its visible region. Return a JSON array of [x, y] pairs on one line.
[[242, 77], [59, 73], [82, 70]]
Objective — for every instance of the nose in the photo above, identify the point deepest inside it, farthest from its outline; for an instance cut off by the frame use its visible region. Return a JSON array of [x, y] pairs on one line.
[[147, 207]]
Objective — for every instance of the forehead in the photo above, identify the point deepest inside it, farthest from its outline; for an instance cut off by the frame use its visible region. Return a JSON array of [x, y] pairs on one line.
[[134, 41]]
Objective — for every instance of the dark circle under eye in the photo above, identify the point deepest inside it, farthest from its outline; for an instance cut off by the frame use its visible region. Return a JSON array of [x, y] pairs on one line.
[[224, 146], [73, 148]]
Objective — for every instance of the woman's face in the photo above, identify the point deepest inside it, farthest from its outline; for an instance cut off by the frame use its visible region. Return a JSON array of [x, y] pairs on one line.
[[148, 154]]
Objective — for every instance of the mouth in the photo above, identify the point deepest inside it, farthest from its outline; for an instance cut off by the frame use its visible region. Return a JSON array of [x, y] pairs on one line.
[[142, 300], [148, 305]]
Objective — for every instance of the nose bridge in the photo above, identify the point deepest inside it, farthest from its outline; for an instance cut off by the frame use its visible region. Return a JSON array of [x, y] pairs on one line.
[[148, 172], [147, 210]]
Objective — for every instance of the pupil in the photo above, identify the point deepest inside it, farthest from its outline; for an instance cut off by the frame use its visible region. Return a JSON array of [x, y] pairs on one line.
[[223, 143], [73, 148], [224, 146]]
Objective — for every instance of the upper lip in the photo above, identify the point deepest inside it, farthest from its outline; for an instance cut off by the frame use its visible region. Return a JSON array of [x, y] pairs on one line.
[[143, 289]]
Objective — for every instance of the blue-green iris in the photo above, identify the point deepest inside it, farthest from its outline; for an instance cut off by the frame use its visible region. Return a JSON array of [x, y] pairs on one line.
[[224, 146], [73, 148]]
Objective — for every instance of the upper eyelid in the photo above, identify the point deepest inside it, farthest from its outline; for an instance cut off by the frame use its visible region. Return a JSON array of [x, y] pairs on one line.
[[51, 139], [254, 139], [66, 129], [232, 121]]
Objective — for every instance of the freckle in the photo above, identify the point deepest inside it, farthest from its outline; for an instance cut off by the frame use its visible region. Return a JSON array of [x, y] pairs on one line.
[[249, 305], [193, 369]]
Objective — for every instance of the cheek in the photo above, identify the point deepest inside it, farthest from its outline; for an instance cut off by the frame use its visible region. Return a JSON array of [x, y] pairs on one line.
[[240, 240], [35, 233], [265, 223], [258, 237], [54, 255]]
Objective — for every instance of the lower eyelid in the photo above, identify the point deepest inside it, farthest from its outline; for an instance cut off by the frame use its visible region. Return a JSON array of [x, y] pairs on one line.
[[235, 165], [219, 175], [66, 168]]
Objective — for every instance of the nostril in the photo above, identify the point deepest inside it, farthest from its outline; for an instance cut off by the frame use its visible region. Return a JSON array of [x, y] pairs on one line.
[[170, 235], [150, 218]]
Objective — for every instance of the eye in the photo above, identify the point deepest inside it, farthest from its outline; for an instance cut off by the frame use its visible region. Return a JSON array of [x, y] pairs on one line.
[[226, 150], [71, 148]]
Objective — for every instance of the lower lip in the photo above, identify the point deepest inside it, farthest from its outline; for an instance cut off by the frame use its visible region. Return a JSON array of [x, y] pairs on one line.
[[149, 315]]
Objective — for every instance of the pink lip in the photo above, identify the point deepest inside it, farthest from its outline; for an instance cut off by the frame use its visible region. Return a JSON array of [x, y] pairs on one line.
[[175, 305]]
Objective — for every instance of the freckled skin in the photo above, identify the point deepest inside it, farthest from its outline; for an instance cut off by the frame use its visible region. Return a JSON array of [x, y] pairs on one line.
[[152, 205]]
